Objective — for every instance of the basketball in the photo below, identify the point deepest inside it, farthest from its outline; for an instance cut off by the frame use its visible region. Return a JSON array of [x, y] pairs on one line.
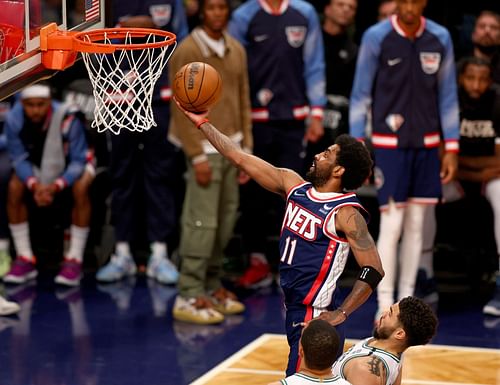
[[197, 86]]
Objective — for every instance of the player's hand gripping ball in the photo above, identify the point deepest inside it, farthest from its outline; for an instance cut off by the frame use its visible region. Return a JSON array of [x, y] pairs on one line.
[[197, 86]]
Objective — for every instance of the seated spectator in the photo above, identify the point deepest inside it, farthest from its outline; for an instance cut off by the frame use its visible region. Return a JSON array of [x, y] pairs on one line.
[[318, 348], [47, 145], [486, 40]]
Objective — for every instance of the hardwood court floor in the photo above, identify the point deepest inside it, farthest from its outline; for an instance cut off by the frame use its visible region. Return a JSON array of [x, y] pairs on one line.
[[263, 361]]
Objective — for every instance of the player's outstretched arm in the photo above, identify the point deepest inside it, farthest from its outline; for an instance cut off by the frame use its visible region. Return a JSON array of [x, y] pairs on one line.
[[277, 180]]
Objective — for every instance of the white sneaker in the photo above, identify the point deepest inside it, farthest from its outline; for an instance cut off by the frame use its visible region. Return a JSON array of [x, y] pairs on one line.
[[7, 307], [119, 267], [196, 310]]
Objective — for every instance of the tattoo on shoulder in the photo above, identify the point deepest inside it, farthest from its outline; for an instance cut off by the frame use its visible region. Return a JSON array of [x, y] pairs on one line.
[[358, 232], [376, 367]]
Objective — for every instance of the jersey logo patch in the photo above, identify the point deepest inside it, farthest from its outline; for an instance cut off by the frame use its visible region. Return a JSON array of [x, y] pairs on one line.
[[161, 14], [430, 62], [295, 35]]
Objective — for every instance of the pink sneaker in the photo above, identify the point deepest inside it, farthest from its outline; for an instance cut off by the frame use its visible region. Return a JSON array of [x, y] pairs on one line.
[[21, 271], [70, 273]]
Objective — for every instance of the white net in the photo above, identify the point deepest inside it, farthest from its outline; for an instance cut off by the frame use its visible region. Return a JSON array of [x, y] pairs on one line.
[[124, 81]]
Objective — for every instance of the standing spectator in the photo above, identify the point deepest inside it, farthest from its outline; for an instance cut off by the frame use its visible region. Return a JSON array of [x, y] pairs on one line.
[[47, 145], [340, 59], [318, 347], [212, 197], [322, 223], [287, 86], [386, 8], [145, 160], [406, 75], [379, 359]]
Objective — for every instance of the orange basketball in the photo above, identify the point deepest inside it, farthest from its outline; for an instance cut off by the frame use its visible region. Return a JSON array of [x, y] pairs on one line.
[[197, 86]]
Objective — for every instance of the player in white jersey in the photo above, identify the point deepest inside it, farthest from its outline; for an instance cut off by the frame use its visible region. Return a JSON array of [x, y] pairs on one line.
[[318, 346], [378, 360]]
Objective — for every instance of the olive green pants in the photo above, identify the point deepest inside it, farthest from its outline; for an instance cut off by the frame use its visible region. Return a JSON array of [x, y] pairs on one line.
[[207, 224]]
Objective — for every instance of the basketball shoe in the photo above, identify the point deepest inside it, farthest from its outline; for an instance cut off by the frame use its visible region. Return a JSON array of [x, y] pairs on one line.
[[21, 271], [7, 307], [197, 310], [258, 274], [119, 267], [163, 270], [70, 273], [225, 302], [493, 306]]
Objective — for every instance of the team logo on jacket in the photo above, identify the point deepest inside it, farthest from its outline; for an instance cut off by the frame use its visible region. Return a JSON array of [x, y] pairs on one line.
[[394, 121], [430, 62], [264, 96], [161, 14], [301, 221], [296, 35]]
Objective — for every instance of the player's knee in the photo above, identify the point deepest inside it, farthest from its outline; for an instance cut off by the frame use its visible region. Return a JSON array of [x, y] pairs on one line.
[[16, 189]]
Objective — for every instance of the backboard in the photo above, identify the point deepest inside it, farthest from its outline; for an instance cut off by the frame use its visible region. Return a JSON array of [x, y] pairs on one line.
[[20, 23]]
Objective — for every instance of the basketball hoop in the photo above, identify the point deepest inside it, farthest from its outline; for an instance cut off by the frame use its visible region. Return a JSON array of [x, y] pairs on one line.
[[123, 65]]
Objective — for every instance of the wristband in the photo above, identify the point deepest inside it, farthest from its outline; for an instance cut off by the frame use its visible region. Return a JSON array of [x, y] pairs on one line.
[[202, 122]]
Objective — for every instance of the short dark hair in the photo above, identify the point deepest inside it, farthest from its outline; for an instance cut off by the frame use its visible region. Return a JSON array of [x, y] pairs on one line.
[[472, 60], [320, 343], [355, 158], [418, 320], [201, 7]]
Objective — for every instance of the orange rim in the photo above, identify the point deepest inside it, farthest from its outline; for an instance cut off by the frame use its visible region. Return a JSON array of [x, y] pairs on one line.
[[91, 41]]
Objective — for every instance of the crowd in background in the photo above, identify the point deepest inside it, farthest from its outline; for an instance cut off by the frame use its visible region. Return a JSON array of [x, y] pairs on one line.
[[158, 186]]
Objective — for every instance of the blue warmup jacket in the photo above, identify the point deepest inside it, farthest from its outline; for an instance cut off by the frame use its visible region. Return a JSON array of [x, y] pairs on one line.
[[410, 86], [19, 144], [285, 59]]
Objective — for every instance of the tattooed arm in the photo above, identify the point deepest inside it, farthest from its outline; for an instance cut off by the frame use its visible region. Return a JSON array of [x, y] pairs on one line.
[[353, 225], [369, 370], [277, 180]]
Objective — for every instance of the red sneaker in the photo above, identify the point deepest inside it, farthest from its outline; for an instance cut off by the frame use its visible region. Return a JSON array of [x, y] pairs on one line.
[[258, 274]]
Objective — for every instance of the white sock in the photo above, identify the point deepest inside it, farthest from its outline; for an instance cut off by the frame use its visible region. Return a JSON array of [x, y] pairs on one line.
[[158, 250], [123, 249], [21, 236], [429, 235], [391, 224], [4, 244], [78, 240], [411, 249]]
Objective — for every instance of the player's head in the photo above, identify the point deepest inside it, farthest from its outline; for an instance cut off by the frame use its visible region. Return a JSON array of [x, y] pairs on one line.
[[319, 345], [474, 76], [410, 321], [340, 12], [36, 102], [347, 159], [214, 15], [386, 8], [486, 33], [410, 11]]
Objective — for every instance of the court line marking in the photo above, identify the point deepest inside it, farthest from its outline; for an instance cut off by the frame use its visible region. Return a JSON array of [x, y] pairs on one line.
[[233, 358], [225, 365]]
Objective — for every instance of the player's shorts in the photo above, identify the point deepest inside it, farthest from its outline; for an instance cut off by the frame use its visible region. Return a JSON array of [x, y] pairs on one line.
[[407, 174]]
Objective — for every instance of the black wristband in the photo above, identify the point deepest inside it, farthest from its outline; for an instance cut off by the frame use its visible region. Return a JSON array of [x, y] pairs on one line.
[[370, 275]]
